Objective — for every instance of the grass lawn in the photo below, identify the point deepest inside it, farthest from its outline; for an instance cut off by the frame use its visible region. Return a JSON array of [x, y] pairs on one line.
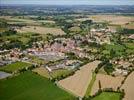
[[107, 96], [88, 92], [15, 66], [31, 86]]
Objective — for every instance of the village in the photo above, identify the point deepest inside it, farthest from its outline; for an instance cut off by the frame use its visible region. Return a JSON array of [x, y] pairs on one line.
[[76, 54]]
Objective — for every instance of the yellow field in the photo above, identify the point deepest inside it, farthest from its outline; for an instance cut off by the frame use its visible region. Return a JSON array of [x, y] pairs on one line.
[[128, 86], [113, 19], [106, 82], [78, 83], [41, 30], [42, 71]]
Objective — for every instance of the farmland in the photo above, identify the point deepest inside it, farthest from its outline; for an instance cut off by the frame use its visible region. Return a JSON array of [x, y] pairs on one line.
[[113, 19], [25, 20], [105, 81], [30, 86], [41, 30], [128, 87], [15, 66], [42, 71], [60, 73], [107, 96], [63, 52], [82, 78]]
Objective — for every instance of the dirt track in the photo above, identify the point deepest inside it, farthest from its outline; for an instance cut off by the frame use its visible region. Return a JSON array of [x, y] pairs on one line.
[[78, 83]]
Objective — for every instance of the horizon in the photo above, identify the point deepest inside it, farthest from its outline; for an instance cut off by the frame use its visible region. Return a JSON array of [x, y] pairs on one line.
[[67, 2]]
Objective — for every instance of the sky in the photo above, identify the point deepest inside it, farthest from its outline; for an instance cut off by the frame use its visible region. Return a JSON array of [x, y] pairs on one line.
[[70, 2]]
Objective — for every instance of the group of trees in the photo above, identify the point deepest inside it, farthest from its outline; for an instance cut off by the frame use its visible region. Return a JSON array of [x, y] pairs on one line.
[[106, 65]]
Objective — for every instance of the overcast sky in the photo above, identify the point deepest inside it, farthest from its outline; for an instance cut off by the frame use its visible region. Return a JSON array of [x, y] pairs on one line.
[[70, 2]]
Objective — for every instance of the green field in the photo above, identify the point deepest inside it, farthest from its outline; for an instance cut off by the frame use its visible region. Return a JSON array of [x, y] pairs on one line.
[[60, 72], [15, 66], [31, 86], [107, 96]]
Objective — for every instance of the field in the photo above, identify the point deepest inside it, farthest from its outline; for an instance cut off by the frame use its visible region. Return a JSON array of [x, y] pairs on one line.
[[42, 71], [106, 82], [113, 19], [78, 83], [54, 74], [26, 20], [60, 72], [15, 66], [129, 26], [128, 86], [41, 30], [107, 96], [75, 29], [30, 86]]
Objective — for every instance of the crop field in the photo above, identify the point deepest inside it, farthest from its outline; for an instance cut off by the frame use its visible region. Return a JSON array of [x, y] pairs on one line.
[[113, 19], [60, 72], [41, 30], [30, 86], [75, 29], [15, 66], [107, 96], [105, 81], [16, 20], [78, 83], [42, 71], [129, 25], [128, 86]]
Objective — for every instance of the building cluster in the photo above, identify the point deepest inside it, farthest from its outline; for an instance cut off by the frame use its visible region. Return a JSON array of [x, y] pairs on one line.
[[65, 64], [123, 67], [9, 56]]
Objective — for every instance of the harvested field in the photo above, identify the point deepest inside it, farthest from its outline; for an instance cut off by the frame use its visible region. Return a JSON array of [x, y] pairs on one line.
[[106, 82], [78, 83], [128, 86], [42, 71], [113, 19], [41, 30]]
